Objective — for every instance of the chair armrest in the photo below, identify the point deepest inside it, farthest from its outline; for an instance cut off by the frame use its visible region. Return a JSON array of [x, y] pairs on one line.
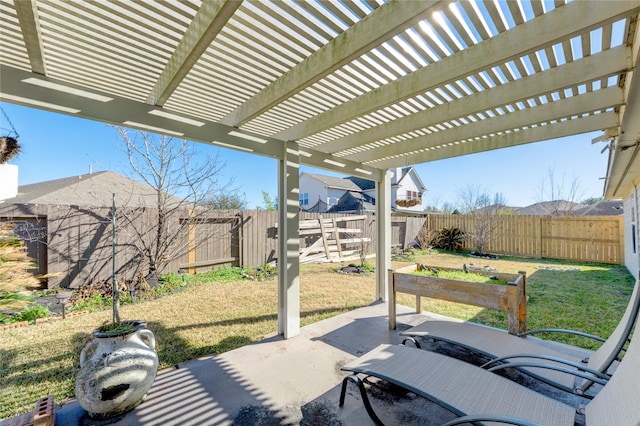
[[599, 380], [562, 330], [577, 365], [510, 420]]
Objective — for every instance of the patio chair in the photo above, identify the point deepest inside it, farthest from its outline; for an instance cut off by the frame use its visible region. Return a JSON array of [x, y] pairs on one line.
[[504, 350], [477, 395]]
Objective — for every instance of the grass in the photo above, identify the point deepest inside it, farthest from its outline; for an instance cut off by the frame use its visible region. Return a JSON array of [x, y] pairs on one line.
[[580, 296], [460, 276], [214, 317]]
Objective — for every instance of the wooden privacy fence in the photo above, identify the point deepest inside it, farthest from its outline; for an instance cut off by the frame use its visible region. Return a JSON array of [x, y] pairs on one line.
[[596, 239], [511, 298], [323, 236], [74, 243]]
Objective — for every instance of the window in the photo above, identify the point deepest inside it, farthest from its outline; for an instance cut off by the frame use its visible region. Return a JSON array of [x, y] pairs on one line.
[[304, 199]]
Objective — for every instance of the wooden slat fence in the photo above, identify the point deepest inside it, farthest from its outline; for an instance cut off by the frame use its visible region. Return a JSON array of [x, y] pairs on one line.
[[75, 242], [579, 238]]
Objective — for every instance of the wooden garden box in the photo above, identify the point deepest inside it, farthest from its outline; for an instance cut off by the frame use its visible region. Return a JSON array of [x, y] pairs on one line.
[[511, 298]]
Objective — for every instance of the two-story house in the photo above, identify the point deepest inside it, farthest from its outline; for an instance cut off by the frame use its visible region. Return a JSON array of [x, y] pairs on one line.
[[321, 193]]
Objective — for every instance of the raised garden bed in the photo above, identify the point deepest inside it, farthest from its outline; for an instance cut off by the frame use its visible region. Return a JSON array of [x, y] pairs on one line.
[[511, 298]]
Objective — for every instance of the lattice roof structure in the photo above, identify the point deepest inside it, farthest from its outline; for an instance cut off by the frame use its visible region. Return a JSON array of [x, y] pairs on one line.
[[353, 86], [359, 85]]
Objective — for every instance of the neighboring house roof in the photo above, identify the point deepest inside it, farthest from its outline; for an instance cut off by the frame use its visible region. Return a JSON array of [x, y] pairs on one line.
[[353, 201], [90, 190], [550, 207], [603, 208], [363, 184], [354, 198], [335, 182]]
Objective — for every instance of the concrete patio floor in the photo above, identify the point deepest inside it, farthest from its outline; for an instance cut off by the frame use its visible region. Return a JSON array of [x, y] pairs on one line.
[[287, 382]]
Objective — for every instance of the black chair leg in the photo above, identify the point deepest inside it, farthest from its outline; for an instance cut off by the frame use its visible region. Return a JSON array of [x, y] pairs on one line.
[[412, 340], [365, 399]]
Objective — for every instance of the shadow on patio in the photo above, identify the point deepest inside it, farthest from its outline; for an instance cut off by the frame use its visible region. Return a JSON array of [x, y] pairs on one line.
[[281, 382]]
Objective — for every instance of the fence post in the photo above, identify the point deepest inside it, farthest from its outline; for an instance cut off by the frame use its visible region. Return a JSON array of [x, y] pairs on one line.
[[392, 301], [512, 307], [522, 302], [192, 242], [517, 304]]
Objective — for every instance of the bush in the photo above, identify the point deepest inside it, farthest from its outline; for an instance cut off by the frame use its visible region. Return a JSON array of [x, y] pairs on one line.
[[449, 239], [6, 319], [368, 267], [425, 238], [92, 303], [33, 312]]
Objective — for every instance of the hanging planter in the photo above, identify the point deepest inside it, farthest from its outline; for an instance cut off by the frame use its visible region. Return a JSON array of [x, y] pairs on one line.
[[408, 203], [9, 146]]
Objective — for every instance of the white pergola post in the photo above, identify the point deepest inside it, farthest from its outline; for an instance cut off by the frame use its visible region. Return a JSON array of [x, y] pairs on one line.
[[383, 235], [288, 242]]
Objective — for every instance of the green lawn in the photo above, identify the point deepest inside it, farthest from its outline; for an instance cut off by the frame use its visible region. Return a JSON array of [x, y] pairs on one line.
[[214, 317]]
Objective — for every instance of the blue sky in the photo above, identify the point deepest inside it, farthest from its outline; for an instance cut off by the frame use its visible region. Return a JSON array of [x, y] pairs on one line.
[[57, 146]]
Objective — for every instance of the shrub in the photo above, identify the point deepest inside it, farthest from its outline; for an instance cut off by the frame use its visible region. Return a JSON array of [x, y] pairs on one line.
[[368, 267], [6, 319], [449, 239], [425, 238], [92, 303], [33, 312]]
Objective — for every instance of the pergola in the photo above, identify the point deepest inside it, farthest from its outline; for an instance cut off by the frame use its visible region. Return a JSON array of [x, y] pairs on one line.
[[353, 86]]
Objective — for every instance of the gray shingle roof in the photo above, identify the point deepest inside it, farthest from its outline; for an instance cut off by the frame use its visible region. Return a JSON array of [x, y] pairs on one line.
[[363, 184], [335, 182], [550, 207], [603, 208], [90, 190]]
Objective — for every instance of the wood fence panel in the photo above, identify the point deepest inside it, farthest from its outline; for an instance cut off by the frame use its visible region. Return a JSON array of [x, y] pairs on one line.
[[398, 231], [583, 238], [33, 231], [580, 238], [259, 237], [75, 243]]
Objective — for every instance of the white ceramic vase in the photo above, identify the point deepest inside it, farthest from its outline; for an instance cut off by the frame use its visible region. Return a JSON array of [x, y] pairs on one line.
[[116, 370]]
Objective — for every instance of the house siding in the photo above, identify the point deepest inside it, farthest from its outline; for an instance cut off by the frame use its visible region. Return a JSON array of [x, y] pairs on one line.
[[315, 189], [401, 193], [631, 229]]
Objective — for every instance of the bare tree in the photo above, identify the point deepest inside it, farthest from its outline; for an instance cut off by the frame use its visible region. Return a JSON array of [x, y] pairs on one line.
[[227, 201], [486, 211], [559, 196], [182, 180]]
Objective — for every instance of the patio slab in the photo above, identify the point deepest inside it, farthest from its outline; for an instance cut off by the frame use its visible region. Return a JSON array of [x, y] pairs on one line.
[[284, 382]]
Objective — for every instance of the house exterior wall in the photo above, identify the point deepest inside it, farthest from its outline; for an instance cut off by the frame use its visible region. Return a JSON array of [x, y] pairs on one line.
[[400, 193], [9, 179], [314, 189], [631, 233]]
